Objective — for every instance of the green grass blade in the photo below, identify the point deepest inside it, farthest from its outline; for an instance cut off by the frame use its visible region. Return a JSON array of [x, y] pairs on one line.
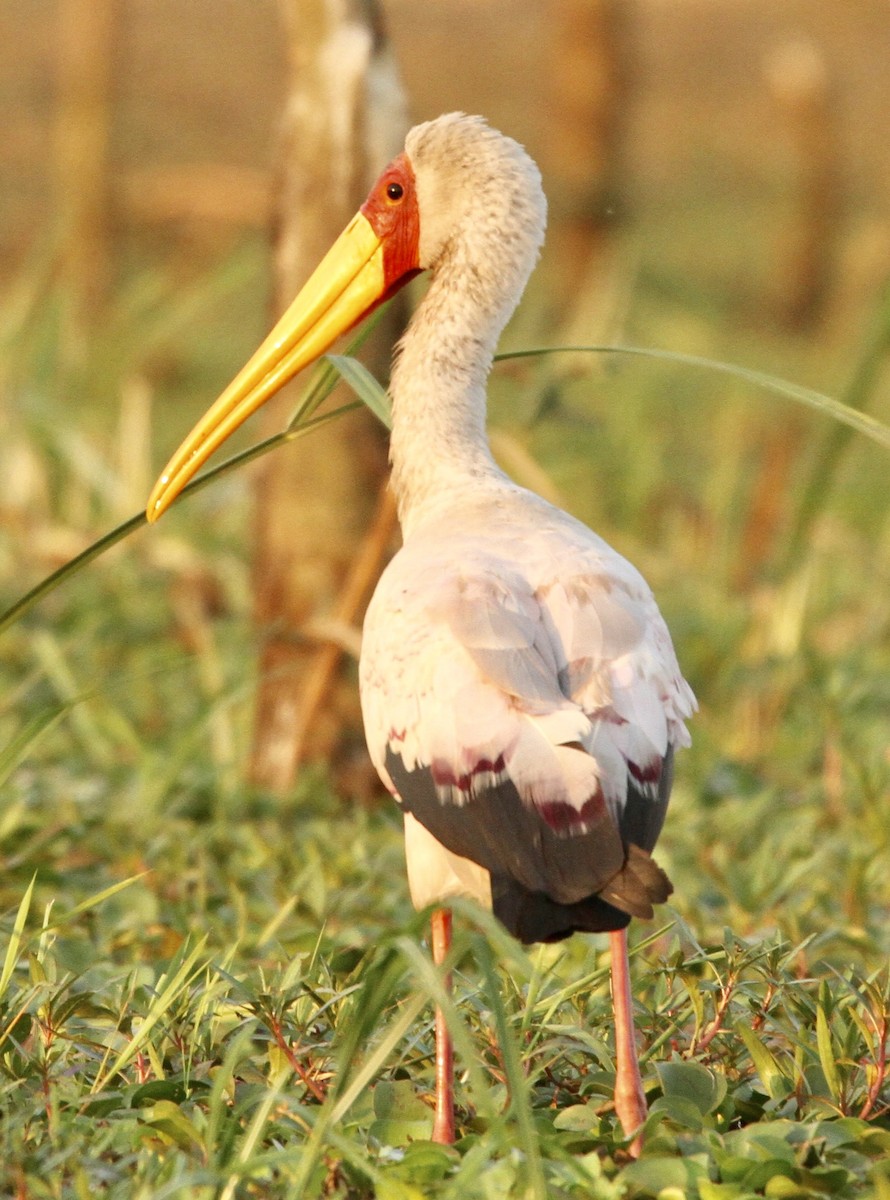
[[84, 723], [327, 374], [324, 380], [217, 1133], [76, 564], [398, 1029], [15, 750], [765, 1062], [184, 967], [824, 1045], [427, 974], [15, 938], [365, 386], [255, 1131], [527, 1136], [95, 900], [374, 396], [343, 1097], [827, 405], [824, 468], [24, 605]]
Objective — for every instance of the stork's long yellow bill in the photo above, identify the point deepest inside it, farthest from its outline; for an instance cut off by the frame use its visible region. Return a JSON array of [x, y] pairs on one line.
[[347, 283]]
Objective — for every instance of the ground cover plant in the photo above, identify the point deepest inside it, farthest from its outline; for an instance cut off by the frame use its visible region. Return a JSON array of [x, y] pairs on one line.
[[205, 992]]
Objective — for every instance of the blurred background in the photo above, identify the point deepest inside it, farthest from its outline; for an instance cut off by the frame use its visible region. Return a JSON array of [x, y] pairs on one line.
[[719, 179], [681, 103], [181, 718]]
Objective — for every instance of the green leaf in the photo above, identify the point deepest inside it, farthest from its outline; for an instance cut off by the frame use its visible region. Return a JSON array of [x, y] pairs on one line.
[[733, 1168], [397, 1100], [708, 1190], [425, 1163], [680, 1110], [766, 1140], [15, 938], [822, 1180], [401, 1116], [391, 1188], [761, 1175], [694, 1082], [774, 1078], [881, 1182], [876, 1141], [650, 1176], [167, 1119], [577, 1118]]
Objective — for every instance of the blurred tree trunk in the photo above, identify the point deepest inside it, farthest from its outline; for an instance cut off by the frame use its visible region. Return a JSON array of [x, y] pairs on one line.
[[344, 118], [800, 85], [586, 93], [85, 47]]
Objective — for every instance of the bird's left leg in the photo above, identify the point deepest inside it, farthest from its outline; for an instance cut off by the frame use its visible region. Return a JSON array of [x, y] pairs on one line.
[[630, 1099], [443, 1125]]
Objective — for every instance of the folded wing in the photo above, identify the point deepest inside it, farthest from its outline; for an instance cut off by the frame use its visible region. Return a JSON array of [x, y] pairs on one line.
[[527, 719]]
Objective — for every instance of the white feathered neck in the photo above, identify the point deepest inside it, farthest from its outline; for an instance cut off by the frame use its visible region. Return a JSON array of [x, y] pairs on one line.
[[482, 220]]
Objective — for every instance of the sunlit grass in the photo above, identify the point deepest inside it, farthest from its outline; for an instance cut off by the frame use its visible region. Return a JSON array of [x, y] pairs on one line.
[[249, 1013]]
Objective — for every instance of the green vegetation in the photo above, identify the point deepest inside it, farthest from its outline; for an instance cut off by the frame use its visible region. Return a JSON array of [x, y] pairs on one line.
[[208, 993]]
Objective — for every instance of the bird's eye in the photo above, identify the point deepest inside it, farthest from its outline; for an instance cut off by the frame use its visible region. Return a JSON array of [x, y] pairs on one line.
[[394, 191]]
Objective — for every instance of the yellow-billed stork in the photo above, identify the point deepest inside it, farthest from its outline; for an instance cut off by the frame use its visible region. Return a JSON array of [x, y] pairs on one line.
[[521, 697]]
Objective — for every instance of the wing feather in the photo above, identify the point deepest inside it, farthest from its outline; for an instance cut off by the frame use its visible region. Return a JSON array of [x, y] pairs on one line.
[[534, 668]]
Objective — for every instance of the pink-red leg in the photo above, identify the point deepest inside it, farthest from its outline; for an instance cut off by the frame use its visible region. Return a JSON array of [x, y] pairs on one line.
[[443, 1125], [630, 1099]]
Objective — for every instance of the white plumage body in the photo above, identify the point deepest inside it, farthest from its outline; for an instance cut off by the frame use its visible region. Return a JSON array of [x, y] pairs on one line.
[[506, 640], [516, 673]]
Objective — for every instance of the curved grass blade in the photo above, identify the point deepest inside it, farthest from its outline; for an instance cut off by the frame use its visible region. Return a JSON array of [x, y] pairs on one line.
[[327, 373], [255, 1130], [51, 582], [16, 611], [15, 938], [301, 422], [520, 1100], [15, 750], [185, 965], [372, 394], [94, 901], [341, 1099], [824, 467], [827, 405]]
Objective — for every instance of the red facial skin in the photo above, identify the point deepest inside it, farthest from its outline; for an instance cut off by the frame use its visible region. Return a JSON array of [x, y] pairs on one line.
[[391, 209]]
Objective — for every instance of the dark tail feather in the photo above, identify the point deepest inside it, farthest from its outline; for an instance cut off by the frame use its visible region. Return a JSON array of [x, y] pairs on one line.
[[534, 917], [638, 885]]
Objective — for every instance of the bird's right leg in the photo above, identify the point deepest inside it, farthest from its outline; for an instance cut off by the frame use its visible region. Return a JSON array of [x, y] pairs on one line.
[[443, 1125], [630, 1099]]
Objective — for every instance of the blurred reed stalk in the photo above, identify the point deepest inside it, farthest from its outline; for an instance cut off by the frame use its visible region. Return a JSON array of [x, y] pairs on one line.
[[587, 91], [588, 83], [344, 117], [86, 37], [812, 496], [799, 84]]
